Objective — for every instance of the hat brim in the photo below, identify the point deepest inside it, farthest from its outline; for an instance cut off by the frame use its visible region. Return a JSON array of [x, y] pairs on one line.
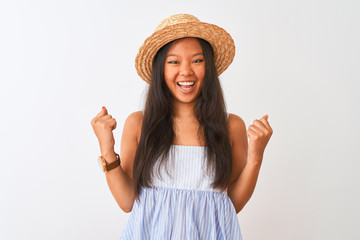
[[220, 40]]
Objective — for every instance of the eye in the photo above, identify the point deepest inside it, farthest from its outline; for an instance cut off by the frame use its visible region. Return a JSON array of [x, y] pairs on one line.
[[198, 61], [173, 62]]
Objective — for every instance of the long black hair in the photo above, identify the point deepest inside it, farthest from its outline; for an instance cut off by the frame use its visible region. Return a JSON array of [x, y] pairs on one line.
[[157, 133]]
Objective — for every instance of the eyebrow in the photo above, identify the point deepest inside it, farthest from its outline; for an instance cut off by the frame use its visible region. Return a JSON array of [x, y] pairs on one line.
[[196, 54]]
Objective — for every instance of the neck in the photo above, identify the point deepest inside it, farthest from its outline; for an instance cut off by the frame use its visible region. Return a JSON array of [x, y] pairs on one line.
[[183, 110]]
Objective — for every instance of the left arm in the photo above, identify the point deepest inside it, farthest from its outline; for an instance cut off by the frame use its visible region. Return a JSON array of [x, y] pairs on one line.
[[247, 157]]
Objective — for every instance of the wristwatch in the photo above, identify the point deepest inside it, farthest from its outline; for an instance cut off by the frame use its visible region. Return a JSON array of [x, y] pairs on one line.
[[107, 167]]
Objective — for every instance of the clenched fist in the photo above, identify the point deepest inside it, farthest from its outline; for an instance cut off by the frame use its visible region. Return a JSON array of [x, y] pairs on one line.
[[259, 134], [103, 125]]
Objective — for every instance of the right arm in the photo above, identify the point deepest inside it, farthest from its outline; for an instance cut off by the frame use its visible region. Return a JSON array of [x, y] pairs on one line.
[[119, 179]]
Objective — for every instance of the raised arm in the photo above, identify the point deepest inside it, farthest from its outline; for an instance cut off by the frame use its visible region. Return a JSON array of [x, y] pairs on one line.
[[247, 158], [119, 179]]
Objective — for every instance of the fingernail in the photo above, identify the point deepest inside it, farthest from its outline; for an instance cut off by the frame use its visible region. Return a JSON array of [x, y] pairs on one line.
[[103, 107]]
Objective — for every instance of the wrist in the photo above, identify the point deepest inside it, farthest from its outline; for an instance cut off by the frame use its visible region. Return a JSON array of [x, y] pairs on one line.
[[106, 145], [254, 161], [109, 161], [109, 156], [107, 151]]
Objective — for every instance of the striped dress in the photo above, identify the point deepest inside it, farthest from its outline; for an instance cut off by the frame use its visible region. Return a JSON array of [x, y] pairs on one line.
[[181, 204]]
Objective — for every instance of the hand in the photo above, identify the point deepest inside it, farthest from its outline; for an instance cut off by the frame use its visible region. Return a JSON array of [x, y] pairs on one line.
[[259, 134], [103, 124]]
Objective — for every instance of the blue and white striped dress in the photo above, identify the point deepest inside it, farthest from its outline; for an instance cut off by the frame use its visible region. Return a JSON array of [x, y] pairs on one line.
[[182, 205]]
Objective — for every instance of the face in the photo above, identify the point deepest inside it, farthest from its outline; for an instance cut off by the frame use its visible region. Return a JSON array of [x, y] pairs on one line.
[[184, 70]]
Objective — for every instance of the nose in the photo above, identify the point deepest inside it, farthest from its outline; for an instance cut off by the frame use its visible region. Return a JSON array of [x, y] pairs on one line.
[[186, 69]]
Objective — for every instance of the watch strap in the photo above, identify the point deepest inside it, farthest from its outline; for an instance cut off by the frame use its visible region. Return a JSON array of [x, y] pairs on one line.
[[114, 164]]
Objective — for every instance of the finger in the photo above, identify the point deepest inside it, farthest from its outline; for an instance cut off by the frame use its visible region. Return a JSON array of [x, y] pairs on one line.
[[113, 125], [259, 124], [260, 131], [255, 129], [103, 112], [105, 118], [251, 133], [110, 123], [266, 124], [264, 120]]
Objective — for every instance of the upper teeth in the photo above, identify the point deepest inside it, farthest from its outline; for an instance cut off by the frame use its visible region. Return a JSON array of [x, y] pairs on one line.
[[186, 83]]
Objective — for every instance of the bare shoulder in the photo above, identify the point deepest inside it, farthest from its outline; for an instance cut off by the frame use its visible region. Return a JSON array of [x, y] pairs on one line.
[[133, 124], [235, 119], [130, 140], [135, 117], [239, 145], [236, 126]]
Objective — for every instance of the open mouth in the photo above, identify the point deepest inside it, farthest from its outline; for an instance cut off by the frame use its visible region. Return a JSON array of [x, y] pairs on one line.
[[186, 86]]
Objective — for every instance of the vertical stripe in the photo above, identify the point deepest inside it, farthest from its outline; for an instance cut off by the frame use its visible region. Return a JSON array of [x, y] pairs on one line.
[[182, 205]]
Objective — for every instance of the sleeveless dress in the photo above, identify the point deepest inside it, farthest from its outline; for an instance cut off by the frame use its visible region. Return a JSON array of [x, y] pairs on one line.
[[182, 204]]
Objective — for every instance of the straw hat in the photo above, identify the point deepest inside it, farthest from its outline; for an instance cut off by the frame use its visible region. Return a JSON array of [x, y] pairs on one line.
[[180, 26]]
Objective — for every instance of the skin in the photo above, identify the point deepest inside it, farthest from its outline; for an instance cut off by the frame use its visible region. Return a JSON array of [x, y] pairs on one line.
[[185, 62]]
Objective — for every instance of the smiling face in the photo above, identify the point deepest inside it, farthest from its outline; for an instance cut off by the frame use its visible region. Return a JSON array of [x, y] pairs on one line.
[[184, 70]]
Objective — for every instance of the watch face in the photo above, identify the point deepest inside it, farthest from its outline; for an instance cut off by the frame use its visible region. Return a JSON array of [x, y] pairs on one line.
[[100, 162]]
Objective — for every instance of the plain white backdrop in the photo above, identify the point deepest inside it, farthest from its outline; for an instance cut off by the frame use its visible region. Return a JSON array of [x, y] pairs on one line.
[[61, 61]]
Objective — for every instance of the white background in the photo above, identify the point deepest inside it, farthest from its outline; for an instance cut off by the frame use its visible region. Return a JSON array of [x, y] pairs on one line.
[[61, 61]]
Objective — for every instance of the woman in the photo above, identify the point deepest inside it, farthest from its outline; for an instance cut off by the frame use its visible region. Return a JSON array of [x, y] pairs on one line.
[[186, 168]]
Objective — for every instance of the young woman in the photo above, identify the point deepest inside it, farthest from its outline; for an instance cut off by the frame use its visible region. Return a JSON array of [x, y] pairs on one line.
[[185, 168]]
